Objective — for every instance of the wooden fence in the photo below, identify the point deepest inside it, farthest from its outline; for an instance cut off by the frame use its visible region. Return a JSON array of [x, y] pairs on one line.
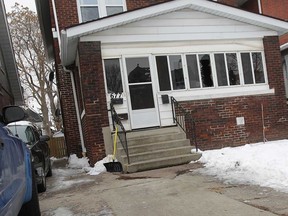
[[57, 147]]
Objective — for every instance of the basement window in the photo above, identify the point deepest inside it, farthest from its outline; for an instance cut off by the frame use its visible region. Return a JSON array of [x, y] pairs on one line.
[[94, 9]]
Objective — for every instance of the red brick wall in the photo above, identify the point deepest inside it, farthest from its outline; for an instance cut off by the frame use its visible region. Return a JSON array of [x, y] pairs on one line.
[[71, 130], [94, 98], [67, 13], [216, 118], [275, 8]]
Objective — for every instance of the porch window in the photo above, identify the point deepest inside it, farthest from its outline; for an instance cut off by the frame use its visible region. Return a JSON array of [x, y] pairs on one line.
[[206, 71], [227, 69], [210, 70], [94, 9], [253, 71], [113, 77], [170, 72]]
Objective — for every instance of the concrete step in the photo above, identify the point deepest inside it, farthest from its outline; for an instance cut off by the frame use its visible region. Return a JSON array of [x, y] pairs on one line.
[[155, 138], [155, 146], [163, 153], [152, 132], [161, 162]]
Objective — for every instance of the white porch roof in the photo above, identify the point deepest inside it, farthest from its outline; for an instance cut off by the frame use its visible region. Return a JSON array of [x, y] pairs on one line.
[[70, 36]]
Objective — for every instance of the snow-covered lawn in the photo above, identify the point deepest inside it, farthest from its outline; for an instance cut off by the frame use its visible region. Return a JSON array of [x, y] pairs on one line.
[[257, 164]]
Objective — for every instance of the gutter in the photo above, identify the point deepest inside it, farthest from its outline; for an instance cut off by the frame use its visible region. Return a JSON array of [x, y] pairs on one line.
[[284, 47], [77, 111]]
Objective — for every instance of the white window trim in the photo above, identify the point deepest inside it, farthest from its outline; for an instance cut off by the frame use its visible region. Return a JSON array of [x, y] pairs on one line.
[[101, 8]]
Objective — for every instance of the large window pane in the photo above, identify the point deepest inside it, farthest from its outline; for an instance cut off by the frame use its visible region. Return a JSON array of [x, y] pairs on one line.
[[206, 72], [88, 2], [114, 10], [114, 2], [232, 65], [247, 68], [138, 70], [258, 67], [141, 96], [193, 71], [176, 72], [113, 76], [89, 13], [221, 70], [163, 73]]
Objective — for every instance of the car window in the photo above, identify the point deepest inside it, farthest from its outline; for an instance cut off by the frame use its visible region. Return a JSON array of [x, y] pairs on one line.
[[24, 132], [30, 135], [19, 131]]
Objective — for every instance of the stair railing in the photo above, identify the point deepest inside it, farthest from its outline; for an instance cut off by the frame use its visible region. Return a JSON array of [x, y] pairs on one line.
[[183, 118], [116, 121]]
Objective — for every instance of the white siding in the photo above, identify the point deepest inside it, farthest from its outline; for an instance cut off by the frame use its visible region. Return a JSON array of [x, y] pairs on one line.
[[186, 24]]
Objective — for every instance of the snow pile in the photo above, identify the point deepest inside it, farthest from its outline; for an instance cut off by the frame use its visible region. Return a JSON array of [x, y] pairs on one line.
[[77, 163], [99, 166], [82, 163], [258, 164]]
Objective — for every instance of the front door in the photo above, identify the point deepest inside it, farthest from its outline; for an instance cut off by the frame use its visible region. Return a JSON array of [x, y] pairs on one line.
[[142, 102]]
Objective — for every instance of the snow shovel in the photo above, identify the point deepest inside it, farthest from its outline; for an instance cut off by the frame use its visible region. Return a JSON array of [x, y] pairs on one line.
[[114, 166]]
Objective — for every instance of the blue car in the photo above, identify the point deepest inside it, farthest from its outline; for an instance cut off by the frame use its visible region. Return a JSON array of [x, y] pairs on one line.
[[18, 190]]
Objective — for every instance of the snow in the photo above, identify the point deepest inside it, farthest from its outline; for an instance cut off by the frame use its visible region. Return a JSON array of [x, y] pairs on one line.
[[77, 163], [62, 212], [264, 164], [83, 163]]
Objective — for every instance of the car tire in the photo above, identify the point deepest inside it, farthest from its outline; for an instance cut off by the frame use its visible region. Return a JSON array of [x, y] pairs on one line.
[[42, 185], [31, 208], [49, 173]]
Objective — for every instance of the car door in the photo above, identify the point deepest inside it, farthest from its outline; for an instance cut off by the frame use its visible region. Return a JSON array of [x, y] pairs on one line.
[[12, 173]]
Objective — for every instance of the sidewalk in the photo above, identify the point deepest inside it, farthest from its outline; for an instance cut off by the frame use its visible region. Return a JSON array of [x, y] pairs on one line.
[[172, 191]]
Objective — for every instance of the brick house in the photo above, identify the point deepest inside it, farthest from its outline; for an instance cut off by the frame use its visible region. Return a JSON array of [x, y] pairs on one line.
[[221, 63], [10, 89]]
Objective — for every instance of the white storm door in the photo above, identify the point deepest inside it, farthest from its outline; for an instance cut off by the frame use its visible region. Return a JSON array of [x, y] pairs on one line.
[[143, 112]]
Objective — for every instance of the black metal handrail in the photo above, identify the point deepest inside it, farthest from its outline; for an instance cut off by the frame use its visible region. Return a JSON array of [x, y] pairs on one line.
[[183, 118], [116, 121]]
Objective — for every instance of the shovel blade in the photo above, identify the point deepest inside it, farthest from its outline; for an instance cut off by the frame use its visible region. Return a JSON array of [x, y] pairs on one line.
[[113, 167]]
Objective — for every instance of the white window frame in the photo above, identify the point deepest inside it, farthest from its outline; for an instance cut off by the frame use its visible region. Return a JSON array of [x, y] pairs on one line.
[[101, 8]]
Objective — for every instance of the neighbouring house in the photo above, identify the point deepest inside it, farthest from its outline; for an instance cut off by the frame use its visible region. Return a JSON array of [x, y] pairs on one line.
[[220, 63], [10, 89]]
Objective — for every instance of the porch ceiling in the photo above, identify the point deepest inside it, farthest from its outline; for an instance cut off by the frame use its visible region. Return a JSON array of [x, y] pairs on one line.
[[70, 36]]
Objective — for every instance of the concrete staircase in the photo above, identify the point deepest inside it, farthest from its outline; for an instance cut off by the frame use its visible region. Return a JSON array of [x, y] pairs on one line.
[[156, 148]]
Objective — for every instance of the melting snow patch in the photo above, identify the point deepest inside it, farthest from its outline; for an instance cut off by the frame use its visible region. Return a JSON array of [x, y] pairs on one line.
[[62, 212]]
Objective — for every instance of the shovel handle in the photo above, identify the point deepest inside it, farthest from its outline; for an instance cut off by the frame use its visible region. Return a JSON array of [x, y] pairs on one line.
[[115, 143]]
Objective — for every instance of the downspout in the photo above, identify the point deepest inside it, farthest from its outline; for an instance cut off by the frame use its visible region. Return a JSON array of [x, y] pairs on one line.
[[77, 111], [259, 6], [56, 23], [73, 83]]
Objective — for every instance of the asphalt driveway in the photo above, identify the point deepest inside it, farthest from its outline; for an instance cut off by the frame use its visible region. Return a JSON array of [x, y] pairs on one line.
[[171, 191]]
